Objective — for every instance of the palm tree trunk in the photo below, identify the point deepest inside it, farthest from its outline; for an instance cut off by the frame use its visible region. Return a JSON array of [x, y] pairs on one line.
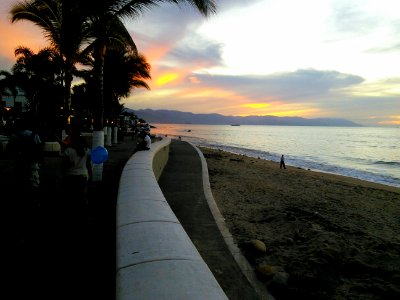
[[67, 96], [98, 132], [115, 135], [99, 74], [108, 139], [97, 140]]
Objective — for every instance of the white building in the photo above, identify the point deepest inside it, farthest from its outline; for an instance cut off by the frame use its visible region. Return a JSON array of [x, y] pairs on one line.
[[7, 99]]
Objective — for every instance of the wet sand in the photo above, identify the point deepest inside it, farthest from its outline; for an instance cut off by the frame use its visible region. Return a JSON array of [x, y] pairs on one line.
[[325, 236]]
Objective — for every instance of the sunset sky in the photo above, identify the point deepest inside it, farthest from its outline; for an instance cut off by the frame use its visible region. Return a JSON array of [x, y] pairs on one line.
[[310, 58]]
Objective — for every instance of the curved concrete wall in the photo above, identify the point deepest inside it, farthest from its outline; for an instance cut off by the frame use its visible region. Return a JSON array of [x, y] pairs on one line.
[[155, 257]]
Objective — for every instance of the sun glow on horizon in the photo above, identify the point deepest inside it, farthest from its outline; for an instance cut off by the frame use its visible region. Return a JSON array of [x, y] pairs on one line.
[[256, 105], [303, 113], [395, 120]]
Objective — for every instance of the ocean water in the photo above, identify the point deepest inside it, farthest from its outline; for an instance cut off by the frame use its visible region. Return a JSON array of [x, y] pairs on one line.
[[367, 153]]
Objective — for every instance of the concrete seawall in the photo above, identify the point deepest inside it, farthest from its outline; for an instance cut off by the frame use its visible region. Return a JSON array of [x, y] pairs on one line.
[[155, 257]]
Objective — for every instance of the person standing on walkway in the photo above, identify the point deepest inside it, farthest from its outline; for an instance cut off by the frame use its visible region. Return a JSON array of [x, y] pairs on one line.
[[66, 141], [147, 139], [26, 149], [282, 163], [144, 140], [77, 171]]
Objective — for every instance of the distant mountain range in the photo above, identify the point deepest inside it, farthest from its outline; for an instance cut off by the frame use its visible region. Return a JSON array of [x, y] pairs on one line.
[[179, 117]]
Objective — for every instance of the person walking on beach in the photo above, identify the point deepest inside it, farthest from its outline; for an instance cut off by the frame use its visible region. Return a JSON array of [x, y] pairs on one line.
[[282, 164]]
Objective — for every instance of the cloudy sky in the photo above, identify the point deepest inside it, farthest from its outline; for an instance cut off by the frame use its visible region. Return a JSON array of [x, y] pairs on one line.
[[310, 58]]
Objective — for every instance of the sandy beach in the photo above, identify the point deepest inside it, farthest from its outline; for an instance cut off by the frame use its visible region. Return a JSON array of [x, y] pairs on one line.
[[325, 236]]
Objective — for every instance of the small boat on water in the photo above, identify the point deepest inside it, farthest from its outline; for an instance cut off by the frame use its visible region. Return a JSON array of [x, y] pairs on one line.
[[235, 124]]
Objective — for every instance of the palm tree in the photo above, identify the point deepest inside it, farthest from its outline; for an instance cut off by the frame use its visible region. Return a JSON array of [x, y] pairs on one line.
[[69, 23], [123, 72], [63, 26], [38, 75], [108, 32], [107, 17]]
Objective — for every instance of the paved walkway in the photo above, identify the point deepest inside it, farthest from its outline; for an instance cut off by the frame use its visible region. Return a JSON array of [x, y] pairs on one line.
[[182, 185], [51, 254]]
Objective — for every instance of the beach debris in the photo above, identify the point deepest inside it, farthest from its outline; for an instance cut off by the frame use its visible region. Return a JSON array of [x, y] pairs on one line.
[[280, 279], [267, 272], [212, 155], [259, 246], [236, 159], [253, 250]]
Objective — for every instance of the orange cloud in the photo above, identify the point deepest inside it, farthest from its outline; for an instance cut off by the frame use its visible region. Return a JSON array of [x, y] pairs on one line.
[[277, 108], [396, 121], [194, 79], [256, 105], [170, 77], [166, 78], [19, 34], [306, 112], [209, 93], [389, 123], [198, 99], [155, 54]]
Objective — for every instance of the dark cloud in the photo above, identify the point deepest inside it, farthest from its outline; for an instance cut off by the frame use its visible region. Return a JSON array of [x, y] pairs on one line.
[[169, 22], [166, 22], [164, 25], [302, 84], [198, 52], [349, 108]]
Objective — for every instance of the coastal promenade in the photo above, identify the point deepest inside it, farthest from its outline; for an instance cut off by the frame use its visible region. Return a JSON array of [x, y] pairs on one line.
[[53, 253], [182, 185]]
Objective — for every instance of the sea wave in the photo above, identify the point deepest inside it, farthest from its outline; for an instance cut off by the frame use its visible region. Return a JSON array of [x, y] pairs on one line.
[[390, 163], [302, 163], [307, 164], [318, 152]]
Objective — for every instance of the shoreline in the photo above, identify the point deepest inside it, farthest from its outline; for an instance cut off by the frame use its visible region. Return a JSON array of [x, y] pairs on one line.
[[222, 148], [340, 151], [325, 234], [339, 177]]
